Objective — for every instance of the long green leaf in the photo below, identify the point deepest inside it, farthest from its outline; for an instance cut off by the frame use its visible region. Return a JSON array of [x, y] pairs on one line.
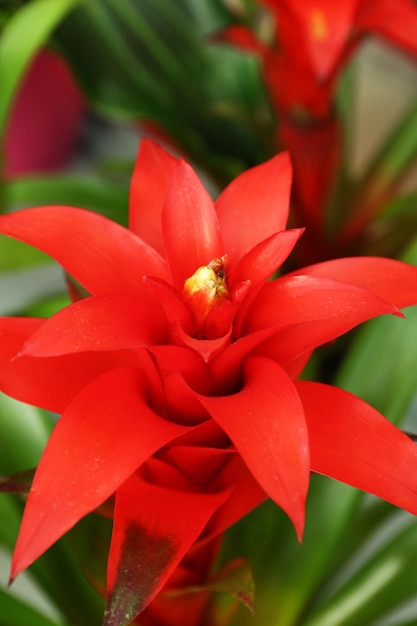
[[22, 35], [88, 192], [24, 431], [383, 582], [14, 612]]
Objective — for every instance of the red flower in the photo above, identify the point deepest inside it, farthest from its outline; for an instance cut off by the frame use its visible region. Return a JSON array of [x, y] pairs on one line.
[[311, 42], [176, 377], [45, 118]]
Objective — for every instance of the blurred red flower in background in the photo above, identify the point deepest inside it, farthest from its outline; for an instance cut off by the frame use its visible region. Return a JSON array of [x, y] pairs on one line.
[[176, 376], [45, 118], [308, 45]]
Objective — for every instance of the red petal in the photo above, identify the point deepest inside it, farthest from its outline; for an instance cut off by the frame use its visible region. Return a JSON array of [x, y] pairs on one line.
[[104, 436], [226, 368], [325, 26], [295, 299], [240, 36], [308, 312], [265, 421], [153, 529], [246, 496], [352, 442], [152, 172], [396, 20], [255, 206], [50, 383], [110, 322], [45, 119], [265, 258], [392, 280], [190, 225], [102, 255]]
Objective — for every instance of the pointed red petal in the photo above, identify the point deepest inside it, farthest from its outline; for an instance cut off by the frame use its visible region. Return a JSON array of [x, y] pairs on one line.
[[308, 311], [104, 436], [153, 529], [392, 280], [255, 206], [50, 383], [153, 170], [265, 258], [352, 442], [265, 421], [327, 308], [110, 322], [190, 226], [102, 255]]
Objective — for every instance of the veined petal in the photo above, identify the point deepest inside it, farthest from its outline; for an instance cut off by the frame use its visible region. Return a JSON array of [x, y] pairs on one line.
[[101, 439], [102, 255], [153, 529], [50, 383], [352, 442], [392, 280], [151, 174], [255, 206], [108, 322], [190, 226], [265, 421], [265, 258]]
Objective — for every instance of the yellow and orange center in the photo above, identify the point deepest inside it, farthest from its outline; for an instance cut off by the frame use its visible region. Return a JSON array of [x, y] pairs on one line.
[[205, 290]]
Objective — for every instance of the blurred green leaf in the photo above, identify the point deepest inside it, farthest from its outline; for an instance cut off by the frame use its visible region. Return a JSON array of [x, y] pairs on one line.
[[88, 192], [149, 62], [385, 580], [15, 254], [10, 516], [14, 612], [381, 365], [24, 287], [24, 432], [21, 36]]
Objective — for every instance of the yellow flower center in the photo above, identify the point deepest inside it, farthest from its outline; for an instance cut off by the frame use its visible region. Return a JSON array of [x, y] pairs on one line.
[[206, 289]]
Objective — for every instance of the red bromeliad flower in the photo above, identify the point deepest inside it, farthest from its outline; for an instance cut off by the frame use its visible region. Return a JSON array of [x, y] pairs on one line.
[[176, 376], [312, 41], [310, 44]]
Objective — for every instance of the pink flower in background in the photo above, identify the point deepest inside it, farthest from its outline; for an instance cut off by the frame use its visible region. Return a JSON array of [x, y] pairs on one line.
[[45, 119]]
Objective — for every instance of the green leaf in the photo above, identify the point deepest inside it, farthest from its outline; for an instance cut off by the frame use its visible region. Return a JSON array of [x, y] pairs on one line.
[[22, 35], [88, 192], [24, 431], [16, 613], [22, 288], [10, 516], [386, 579]]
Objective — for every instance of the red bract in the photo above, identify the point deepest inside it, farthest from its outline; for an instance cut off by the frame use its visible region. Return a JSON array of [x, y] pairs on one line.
[[311, 42], [45, 119], [176, 376]]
